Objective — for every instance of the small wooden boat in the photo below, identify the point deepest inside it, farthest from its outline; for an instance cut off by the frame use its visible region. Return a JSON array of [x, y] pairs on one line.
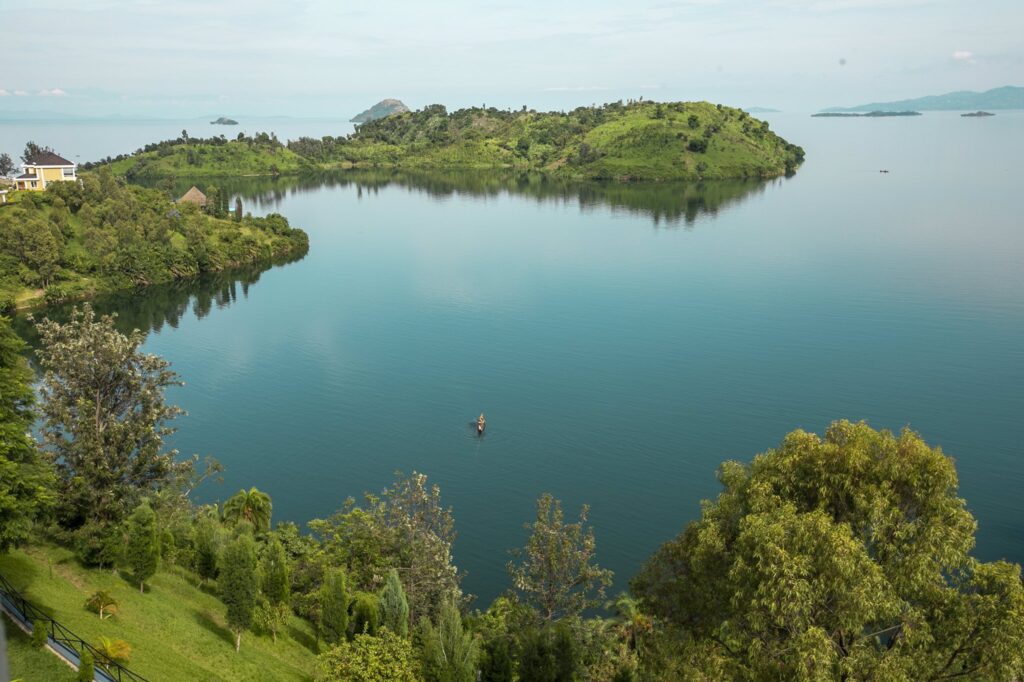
[[481, 424]]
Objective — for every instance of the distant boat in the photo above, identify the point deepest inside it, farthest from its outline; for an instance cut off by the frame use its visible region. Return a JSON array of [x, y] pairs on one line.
[[883, 171], [481, 424]]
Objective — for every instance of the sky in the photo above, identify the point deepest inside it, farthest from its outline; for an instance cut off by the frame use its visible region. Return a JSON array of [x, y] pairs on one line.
[[322, 58]]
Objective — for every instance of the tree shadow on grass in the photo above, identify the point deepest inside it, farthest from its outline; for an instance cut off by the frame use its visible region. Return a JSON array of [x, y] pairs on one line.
[[304, 638], [206, 621]]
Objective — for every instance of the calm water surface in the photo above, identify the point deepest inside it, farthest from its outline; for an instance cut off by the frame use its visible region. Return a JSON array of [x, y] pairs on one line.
[[623, 341]]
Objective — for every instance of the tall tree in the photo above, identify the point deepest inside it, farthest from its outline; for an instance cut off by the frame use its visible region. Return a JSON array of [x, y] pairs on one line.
[[276, 586], [33, 150], [207, 544], [239, 584], [448, 653], [252, 506], [26, 481], [556, 572], [6, 164], [142, 549], [104, 421], [334, 603], [843, 557], [394, 607]]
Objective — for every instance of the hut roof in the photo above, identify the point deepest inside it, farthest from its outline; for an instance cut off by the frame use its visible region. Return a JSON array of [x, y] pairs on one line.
[[193, 196]]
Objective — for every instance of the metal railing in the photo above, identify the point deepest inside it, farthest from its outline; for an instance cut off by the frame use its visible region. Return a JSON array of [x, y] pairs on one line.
[[63, 641]]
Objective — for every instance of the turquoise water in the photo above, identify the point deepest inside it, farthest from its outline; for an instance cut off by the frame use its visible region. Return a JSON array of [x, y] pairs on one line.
[[622, 340]]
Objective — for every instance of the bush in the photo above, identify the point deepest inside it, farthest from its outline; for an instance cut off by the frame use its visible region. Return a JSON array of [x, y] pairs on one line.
[[103, 603], [116, 650], [86, 668], [39, 634]]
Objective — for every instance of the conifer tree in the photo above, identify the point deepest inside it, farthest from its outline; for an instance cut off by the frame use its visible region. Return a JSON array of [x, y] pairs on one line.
[[448, 652], [142, 551], [239, 585], [276, 574], [334, 603], [365, 613], [207, 548], [394, 607]]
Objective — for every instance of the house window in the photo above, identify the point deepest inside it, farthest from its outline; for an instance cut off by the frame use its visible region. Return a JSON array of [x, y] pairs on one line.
[[33, 183], [69, 172]]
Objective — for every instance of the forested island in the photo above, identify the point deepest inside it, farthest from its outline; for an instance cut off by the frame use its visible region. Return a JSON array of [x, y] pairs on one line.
[[77, 239], [632, 141], [977, 114], [844, 556], [224, 121]]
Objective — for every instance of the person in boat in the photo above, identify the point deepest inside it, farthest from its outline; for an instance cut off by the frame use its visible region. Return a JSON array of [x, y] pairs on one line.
[[481, 423]]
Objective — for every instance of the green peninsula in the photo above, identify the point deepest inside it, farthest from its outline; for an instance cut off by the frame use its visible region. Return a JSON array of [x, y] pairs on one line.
[[631, 141], [75, 240]]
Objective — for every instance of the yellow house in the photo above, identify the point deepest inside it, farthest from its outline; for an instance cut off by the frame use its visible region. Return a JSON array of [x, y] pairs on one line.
[[42, 169]]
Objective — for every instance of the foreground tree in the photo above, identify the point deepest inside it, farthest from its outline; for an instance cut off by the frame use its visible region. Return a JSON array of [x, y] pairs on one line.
[[142, 550], [556, 572], [239, 584], [394, 608], [104, 424], [252, 506], [843, 557], [386, 658], [6, 164], [334, 603], [26, 481], [448, 653], [207, 544]]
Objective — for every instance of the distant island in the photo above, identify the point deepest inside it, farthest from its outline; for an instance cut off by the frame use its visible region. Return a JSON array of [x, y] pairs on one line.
[[617, 141], [382, 109], [760, 110], [1007, 97], [222, 121], [870, 114], [977, 114]]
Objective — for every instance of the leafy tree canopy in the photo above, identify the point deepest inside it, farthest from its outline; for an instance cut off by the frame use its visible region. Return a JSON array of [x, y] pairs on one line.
[[843, 557]]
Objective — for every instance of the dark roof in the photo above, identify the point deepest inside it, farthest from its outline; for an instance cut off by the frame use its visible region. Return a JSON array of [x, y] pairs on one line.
[[27, 176], [48, 159]]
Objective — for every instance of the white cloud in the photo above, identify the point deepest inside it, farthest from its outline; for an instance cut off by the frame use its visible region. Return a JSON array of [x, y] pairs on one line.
[[4, 93], [20, 93], [965, 56], [55, 92]]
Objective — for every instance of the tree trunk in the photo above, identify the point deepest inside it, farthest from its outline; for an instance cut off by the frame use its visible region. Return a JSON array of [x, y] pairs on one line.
[[142, 587], [238, 641]]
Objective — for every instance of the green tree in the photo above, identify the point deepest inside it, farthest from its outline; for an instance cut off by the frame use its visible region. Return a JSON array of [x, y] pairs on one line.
[[556, 572], [104, 423], [239, 584], [394, 608], [496, 664], [40, 633], [334, 603], [26, 481], [142, 550], [6, 164], [365, 613], [276, 586], [252, 506], [32, 150], [548, 654], [102, 603], [31, 239], [207, 544], [843, 557], [238, 209], [386, 658], [448, 653]]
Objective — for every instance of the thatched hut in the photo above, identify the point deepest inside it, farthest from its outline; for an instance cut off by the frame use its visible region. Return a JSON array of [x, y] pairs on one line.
[[193, 196]]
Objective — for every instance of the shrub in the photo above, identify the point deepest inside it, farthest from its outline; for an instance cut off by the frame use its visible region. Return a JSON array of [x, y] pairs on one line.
[[39, 634], [102, 603], [116, 650], [86, 668]]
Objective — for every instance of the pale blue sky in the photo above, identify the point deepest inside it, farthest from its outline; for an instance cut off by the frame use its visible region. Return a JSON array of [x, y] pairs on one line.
[[323, 58]]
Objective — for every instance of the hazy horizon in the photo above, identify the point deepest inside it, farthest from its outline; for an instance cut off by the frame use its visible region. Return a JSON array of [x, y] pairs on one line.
[[316, 59]]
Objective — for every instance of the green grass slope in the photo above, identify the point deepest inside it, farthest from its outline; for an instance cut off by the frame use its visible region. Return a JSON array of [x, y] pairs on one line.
[[176, 630], [25, 662]]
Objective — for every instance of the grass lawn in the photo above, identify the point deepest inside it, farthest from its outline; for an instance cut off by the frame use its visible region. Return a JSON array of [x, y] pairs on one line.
[[25, 662], [176, 630]]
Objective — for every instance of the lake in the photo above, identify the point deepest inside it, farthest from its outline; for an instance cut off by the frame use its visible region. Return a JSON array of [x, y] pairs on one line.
[[623, 340]]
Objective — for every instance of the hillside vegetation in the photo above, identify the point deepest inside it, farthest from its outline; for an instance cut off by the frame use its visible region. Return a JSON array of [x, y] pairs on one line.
[[78, 239], [632, 141], [176, 630]]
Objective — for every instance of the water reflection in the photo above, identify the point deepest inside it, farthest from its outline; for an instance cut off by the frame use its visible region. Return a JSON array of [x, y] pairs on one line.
[[669, 204], [164, 304]]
